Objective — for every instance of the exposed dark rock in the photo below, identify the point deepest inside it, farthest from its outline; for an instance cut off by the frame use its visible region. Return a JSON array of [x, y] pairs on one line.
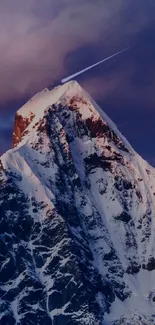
[[20, 125], [125, 217]]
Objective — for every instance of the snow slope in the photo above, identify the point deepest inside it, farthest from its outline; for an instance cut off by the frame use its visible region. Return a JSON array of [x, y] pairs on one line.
[[77, 208]]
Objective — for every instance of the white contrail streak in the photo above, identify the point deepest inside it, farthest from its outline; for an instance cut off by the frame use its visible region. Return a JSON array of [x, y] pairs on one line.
[[92, 66]]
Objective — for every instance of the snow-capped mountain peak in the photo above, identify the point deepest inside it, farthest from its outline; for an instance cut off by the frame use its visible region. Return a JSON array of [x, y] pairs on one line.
[[34, 110], [41, 100], [77, 211]]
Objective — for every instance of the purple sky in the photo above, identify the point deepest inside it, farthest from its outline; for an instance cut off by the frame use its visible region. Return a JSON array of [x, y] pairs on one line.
[[43, 41]]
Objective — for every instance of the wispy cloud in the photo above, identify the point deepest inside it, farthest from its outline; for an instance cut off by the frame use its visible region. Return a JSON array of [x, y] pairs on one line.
[[37, 36]]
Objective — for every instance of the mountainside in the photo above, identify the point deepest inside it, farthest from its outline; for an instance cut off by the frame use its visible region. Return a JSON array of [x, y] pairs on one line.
[[77, 218]]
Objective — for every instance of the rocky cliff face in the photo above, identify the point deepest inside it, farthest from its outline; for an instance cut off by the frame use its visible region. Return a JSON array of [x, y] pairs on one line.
[[77, 218], [20, 125]]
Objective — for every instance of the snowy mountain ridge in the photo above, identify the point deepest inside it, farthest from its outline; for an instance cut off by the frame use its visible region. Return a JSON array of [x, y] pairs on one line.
[[77, 207]]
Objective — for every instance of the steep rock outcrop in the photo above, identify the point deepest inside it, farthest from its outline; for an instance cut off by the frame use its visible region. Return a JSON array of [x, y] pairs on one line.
[[20, 125]]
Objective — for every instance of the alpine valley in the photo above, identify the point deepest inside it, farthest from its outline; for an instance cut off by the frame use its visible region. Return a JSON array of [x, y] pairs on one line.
[[77, 218]]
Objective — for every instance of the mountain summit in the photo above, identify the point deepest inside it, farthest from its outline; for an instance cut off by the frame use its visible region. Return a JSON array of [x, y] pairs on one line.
[[77, 218]]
